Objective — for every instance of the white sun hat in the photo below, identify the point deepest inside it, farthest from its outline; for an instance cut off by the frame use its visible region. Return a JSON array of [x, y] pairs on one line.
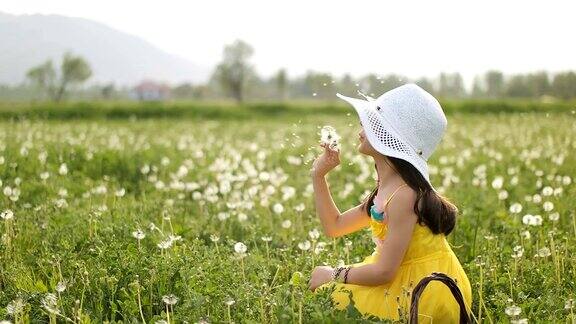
[[406, 122]]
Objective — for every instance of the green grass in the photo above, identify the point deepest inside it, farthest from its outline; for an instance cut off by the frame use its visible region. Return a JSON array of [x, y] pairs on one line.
[[225, 110], [76, 226]]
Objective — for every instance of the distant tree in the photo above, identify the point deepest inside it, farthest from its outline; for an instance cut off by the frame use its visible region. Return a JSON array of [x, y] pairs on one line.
[[73, 70], [564, 85], [107, 91], [516, 87], [280, 80], [494, 83], [425, 84], [234, 72], [347, 85], [538, 84], [319, 84], [478, 88], [451, 85], [391, 81], [183, 91]]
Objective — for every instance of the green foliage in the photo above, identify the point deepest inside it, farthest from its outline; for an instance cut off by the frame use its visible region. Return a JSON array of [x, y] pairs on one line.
[[73, 70], [72, 230], [254, 110]]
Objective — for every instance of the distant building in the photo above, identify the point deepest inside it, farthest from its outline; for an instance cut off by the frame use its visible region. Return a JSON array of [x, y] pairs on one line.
[[151, 91]]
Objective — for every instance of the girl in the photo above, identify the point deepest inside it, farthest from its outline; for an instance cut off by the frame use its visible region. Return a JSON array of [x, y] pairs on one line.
[[409, 220]]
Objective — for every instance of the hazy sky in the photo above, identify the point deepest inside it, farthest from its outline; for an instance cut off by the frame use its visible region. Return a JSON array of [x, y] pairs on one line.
[[413, 38]]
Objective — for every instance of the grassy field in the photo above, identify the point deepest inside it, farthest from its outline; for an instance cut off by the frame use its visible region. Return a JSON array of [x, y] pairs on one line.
[[226, 110], [139, 220]]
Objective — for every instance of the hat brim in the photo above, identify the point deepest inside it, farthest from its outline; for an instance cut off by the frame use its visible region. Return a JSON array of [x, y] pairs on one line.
[[363, 109]]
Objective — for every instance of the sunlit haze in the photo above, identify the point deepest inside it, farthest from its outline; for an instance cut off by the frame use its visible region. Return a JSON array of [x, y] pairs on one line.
[[406, 37]]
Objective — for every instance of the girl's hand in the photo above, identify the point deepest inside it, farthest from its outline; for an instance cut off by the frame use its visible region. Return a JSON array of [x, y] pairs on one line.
[[327, 161], [320, 275]]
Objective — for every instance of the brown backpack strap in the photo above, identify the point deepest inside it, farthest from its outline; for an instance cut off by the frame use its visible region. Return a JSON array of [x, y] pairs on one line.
[[464, 316]]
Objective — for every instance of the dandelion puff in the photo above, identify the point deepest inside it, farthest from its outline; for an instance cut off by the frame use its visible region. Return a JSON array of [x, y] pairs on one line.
[[497, 182], [527, 219], [240, 248], [7, 214], [44, 175], [526, 234], [278, 208], [63, 170], [513, 310], [548, 206], [266, 238], [138, 234], [544, 252], [214, 238], [554, 216], [329, 136], [165, 244], [547, 191], [518, 252], [515, 208], [300, 207], [286, 224], [569, 304], [15, 307], [314, 234], [170, 299], [229, 301], [50, 303], [304, 246], [61, 286]]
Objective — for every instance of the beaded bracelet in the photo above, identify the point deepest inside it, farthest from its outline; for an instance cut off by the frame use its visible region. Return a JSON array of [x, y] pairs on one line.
[[346, 274], [336, 273]]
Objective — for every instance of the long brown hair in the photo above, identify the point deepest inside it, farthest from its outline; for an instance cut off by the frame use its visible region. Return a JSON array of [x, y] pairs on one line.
[[435, 211]]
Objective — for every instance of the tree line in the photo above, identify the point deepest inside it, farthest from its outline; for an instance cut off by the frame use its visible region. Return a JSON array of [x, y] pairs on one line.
[[235, 77]]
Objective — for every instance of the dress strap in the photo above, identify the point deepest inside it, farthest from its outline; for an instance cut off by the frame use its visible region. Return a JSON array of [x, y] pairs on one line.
[[392, 195]]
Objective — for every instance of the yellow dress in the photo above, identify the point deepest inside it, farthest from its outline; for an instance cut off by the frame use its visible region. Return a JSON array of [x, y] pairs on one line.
[[426, 253]]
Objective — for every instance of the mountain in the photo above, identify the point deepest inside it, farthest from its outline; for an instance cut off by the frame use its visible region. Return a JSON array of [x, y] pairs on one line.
[[28, 40]]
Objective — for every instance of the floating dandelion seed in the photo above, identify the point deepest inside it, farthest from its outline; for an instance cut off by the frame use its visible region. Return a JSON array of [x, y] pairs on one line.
[[314, 94]]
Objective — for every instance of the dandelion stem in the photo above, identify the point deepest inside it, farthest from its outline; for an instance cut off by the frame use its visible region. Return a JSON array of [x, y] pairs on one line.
[[229, 315]]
